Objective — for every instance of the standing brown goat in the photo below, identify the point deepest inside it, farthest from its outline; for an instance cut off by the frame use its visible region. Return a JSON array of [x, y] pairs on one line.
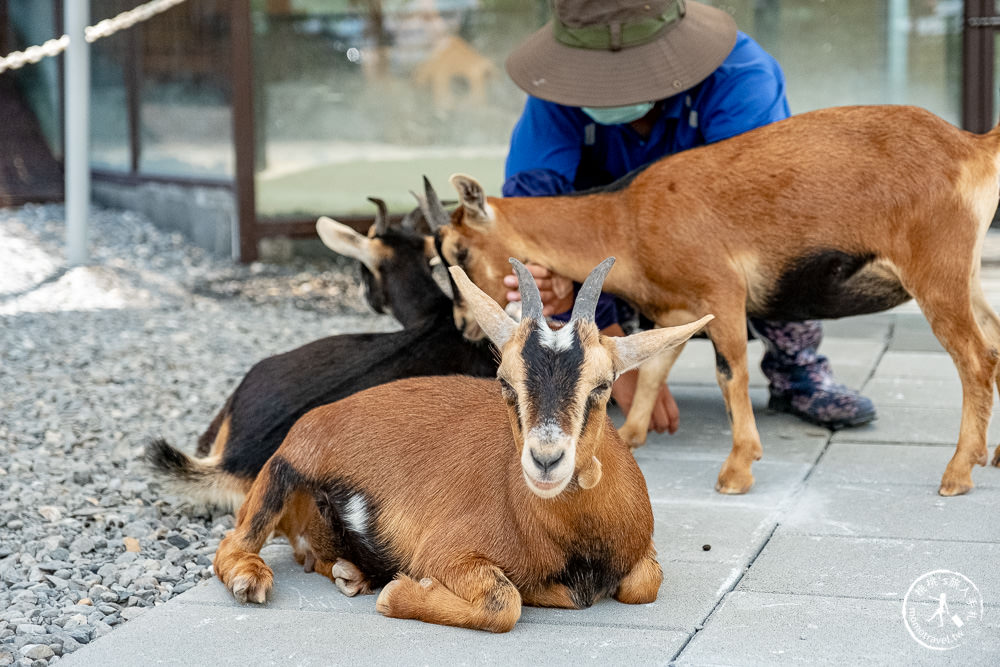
[[475, 495], [836, 212]]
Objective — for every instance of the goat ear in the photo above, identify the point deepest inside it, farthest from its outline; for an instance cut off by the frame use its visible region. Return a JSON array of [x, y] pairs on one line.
[[494, 322], [343, 240], [473, 200], [635, 349]]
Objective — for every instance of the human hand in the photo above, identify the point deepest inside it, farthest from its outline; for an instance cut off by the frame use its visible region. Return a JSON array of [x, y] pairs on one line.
[[556, 290], [666, 415]]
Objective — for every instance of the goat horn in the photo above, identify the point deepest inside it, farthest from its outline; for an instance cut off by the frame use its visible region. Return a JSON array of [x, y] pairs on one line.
[[531, 300], [382, 217], [434, 211], [586, 298]]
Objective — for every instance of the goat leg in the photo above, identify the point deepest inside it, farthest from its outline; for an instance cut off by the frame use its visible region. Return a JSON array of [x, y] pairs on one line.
[[237, 561], [642, 584], [989, 322], [729, 336], [476, 595], [955, 309], [652, 374]]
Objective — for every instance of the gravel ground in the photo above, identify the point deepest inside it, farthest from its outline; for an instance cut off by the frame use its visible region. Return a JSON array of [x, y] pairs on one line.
[[147, 342]]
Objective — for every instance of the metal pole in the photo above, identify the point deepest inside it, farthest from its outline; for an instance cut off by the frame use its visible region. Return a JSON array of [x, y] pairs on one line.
[[76, 15]]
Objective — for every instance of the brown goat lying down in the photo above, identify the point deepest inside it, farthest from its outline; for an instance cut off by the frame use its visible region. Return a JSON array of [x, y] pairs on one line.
[[467, 497], [836, 212]]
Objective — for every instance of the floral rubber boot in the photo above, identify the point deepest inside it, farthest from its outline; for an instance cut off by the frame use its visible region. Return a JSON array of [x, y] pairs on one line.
[[801, 381]]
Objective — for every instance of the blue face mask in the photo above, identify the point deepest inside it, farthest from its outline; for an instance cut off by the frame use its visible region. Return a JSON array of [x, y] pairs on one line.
[[618, 115]]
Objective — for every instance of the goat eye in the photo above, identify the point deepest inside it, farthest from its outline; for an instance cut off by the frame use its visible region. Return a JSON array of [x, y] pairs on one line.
[[507, 390], [601, 388]]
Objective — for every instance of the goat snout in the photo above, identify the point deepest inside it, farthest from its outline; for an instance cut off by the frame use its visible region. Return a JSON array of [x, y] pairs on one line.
[[547, 466], [546, 461]]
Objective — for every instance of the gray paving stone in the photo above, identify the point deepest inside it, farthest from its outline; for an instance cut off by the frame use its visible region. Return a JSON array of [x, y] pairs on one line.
[[924, 425], [704, 430], [870, 463], [927, 365], [193, 634], [688, 593], [852, 358], [687, 479], [876, 327], [915, 392], [910, 511], [864, 567], [912, 333], [734, 532], [771, 629]]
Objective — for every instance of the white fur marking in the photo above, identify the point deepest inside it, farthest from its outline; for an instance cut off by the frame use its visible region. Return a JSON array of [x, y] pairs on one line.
[[356, 515], [559, 340], [547, 432]]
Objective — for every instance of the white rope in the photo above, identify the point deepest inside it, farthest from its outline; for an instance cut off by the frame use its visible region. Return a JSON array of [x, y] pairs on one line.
[[105, 28]]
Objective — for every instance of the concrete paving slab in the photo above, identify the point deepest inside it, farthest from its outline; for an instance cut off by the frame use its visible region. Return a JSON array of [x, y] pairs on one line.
[[669, 479], [896, 510], [924, 425], [915, 393], [927, 365], [852, 358], [734, 532], [865, 567], [193, 634], [689, 592], [704, 430], [687, 595], [771, 629], [875, 327], [869, 463], [912, 333]]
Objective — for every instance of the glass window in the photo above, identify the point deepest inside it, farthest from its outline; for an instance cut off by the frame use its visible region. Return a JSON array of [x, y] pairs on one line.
[[358, 98], [185, 102], [109, 129], [32, 23], [862, 51]]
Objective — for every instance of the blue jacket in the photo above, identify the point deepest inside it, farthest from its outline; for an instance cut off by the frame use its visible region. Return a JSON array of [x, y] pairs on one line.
[[556, 149]]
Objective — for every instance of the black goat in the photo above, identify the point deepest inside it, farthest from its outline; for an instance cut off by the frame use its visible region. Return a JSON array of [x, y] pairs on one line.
[[397, 274]]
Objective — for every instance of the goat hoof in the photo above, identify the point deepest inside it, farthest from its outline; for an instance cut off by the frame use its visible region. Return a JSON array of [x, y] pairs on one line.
[[308, 562], [251, 581], [996, 457], [349, 579], [734, 482], [383, 604], [955, 488]]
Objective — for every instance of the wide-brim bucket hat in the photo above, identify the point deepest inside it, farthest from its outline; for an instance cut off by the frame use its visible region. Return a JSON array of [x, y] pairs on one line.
[[606, 53]]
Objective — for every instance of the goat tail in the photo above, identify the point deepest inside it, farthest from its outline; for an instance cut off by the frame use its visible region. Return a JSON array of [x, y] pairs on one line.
[[201, 480]]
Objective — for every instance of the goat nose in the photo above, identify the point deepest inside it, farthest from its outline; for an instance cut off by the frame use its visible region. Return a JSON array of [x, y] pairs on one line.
[[546, 462]]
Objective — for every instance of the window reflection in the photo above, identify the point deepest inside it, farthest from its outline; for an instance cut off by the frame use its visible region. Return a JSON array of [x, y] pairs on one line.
[[357, 98], [861, 52], [185, 115]]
